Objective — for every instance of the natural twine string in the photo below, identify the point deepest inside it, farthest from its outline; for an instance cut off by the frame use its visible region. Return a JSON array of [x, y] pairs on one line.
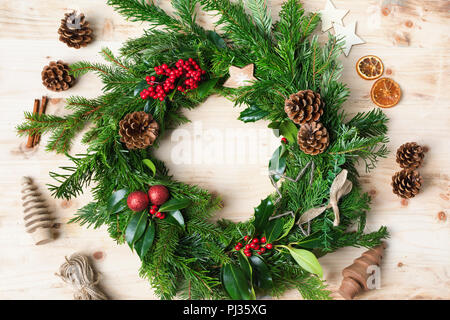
[[77, 272]]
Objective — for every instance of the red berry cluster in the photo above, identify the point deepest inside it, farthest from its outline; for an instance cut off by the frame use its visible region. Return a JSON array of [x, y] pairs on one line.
[[188, 72], [254, 244], [154, 212]]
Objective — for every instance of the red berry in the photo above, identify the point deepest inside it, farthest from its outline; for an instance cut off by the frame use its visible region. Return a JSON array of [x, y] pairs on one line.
[[162, 216], [237, 248], [284, 140], [246, 251], [260, 253], [154, 207], [262, 250], [247, 246], [152, 78], [158, 214], [249, 254], [252, 246], [269, 246], [158, 194], [239, 244], [246, 238], [263, 240], [256, 246], [255, 240], [164, 66], [152, 211], [137, 201], [147, 78]]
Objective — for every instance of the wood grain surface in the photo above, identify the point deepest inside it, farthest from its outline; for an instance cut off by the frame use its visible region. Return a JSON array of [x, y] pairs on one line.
[[410, 36]]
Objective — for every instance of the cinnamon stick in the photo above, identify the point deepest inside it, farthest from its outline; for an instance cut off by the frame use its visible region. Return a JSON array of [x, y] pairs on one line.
[[37, 137], [30, 142]]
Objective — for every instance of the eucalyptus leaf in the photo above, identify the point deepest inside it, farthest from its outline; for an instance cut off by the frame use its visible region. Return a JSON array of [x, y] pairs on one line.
[[262, 214], [261, 273], [115, 204], [175, 217], [252, 114], [307, 260], [150, 165], [235, 283], [144, 243], [136, 227], [174, 204]]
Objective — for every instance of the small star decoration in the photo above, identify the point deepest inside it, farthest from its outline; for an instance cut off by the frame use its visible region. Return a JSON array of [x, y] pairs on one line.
[[331, 15], [240, 77], [348, 35]]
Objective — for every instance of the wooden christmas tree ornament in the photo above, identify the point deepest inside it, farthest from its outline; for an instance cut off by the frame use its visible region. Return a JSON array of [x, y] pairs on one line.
[[38, 221], [356, 275]]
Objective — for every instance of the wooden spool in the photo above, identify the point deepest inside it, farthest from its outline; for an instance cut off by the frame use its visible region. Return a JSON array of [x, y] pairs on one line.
[[38, 221]]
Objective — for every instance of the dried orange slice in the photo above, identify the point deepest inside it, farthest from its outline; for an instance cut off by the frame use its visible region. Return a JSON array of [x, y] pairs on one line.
[[385, 93], [370, 67]]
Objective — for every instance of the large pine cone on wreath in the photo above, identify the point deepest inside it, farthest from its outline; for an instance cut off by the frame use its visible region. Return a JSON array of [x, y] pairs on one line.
[[407, 183], [304, 106], [313, 138], [138, 130], [74, 30], [56, 76], [410, 155]]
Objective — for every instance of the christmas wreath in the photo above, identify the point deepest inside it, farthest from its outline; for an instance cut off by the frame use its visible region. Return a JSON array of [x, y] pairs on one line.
[[317, 206]]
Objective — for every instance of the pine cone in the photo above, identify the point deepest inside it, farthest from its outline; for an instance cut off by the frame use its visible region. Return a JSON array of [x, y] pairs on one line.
[[406, 183], [410, 155], [304, 106], [56, 76], [138, 130], [74, 30], [313, 138]]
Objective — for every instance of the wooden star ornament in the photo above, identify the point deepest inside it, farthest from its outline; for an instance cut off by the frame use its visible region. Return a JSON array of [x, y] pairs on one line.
[[331, 15], [348, 35], [240, 77]]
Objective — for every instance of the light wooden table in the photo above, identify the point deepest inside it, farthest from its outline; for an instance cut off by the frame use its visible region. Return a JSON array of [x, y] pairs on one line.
[[412, 38]]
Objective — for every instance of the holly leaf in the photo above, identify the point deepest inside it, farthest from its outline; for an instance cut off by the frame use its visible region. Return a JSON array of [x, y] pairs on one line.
[[144, 244], [235, 282], [289, 130], [175, 217], [140, 86], [274, 229], [148, 106], [115, 203], [150, 165], [216, 39], [248, 272], [287, 226], [262, 214], [174, 204], [261, 274], [252, 114], [278, 162], [307, 260], [205, 87], [136, 227]]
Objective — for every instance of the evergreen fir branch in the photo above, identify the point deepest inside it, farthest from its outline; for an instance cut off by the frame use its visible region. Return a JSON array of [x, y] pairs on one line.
[[185, 9], [261, 15], [369, 124], [141, 10]]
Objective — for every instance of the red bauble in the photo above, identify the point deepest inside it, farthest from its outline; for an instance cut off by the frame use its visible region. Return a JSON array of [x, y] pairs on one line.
[[158, 194], [137, 201]]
